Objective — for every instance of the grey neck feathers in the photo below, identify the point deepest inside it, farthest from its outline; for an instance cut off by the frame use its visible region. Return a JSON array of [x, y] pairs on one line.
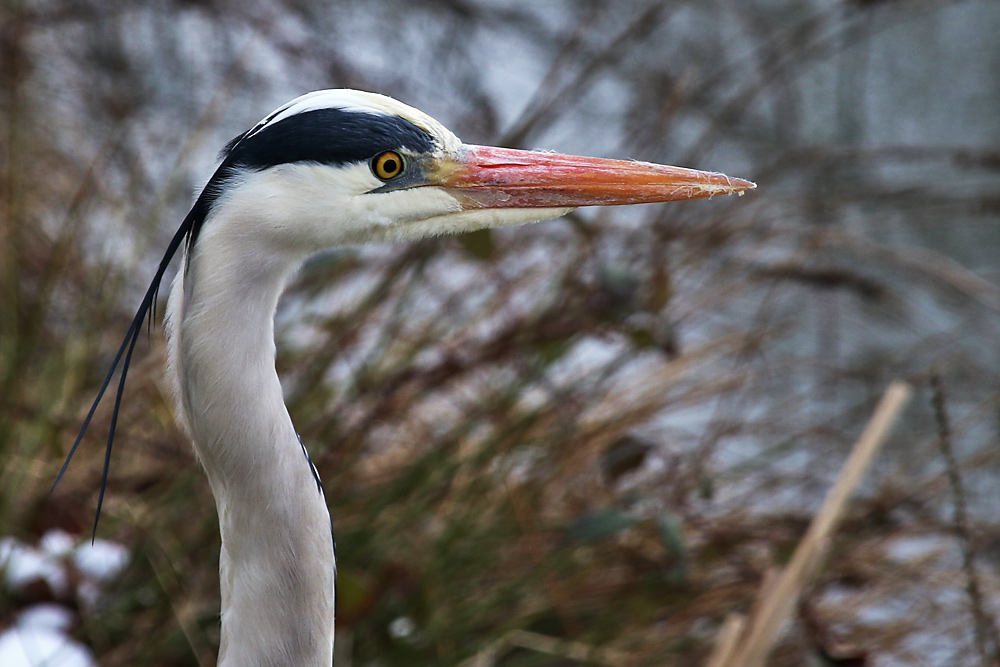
[[277, 566]]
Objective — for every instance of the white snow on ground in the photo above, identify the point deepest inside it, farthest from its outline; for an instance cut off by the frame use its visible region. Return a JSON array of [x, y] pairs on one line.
[[101, 560], [37, 637]]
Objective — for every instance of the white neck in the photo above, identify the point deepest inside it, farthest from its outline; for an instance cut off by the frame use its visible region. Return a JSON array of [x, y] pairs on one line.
[[277, 565]]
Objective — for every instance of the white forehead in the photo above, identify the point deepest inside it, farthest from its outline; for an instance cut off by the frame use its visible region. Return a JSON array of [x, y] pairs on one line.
[[359, 101]]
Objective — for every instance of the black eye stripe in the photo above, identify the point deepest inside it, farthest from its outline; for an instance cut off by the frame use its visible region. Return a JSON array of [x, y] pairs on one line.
[[326, 136]]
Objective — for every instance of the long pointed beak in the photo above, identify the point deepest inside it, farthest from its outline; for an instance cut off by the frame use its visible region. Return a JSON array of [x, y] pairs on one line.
[[488, 177]]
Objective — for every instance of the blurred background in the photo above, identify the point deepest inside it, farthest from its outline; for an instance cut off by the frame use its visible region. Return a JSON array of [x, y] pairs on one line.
[[601, 430]]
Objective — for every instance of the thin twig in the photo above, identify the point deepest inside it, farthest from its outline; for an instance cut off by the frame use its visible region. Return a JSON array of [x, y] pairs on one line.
[[985, 631]]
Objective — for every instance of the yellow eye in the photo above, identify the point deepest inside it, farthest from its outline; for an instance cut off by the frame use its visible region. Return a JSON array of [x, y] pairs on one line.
[[388, 165]]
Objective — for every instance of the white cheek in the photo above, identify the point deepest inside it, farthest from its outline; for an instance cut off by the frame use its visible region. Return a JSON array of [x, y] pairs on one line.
[[303, 208], [356, 179], [298, 204], [311, 207], [341, 200], [401, 207]]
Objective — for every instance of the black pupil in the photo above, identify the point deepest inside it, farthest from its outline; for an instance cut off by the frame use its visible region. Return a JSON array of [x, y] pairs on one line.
[[389, 165]]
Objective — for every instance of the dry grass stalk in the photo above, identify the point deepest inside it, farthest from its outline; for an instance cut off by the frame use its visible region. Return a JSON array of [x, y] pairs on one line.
[[727, 640], [778, 603]]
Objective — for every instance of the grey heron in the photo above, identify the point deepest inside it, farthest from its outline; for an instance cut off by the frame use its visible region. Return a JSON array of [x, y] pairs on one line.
[[332, 167]]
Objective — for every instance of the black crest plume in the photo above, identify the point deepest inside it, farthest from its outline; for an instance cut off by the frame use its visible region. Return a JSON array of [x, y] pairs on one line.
[[146, 310], [145, 313]]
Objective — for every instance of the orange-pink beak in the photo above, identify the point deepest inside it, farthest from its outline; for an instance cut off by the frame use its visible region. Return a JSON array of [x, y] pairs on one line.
[[488, 177]]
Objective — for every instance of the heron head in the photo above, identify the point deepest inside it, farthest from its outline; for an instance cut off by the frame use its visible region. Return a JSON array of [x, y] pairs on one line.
[[345, 166]]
